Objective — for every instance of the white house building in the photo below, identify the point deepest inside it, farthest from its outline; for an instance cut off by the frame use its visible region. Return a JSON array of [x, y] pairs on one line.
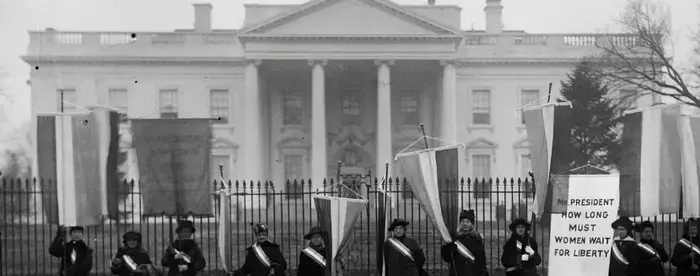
[[301, 87]]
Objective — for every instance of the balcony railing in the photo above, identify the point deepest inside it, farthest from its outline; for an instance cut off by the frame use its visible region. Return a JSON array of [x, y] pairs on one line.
[[226, 44]]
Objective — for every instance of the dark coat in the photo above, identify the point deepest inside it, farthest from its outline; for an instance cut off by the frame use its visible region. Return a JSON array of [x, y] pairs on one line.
[[652, 264], [188, 247], [309, 267], [254, 267], [511, 258], [464, 266], [83, 263], [682, 260], [140, 257], [629, 249], [399, 265]]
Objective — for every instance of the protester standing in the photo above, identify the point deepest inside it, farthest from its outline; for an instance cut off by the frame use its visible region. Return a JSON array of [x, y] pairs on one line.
[[403, 256], [652, 253], [263, 258], [312, 260], [76, 256], [131, 259], [520, 253], [624, 259], [686, 253], [183, 257], [466, 254]]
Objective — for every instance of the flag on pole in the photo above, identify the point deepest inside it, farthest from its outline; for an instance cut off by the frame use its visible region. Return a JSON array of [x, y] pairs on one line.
[[225, 228], [338, 216], [433, 177], [383, 200], [108, 124], [650, 169], [689, 134], [545, 130], [68, 153]]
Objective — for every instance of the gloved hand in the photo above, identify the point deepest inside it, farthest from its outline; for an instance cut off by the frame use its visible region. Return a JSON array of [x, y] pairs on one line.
[[61, 230]]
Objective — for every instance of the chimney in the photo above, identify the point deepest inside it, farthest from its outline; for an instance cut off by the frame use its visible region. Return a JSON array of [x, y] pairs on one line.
[[431, 2], [494, 17], [202, 18]]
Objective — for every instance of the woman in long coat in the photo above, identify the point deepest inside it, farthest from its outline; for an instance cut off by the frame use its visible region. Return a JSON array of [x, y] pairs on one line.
[[403, 256], [652, 253], [686, 253], [521, 254], [263, 258], [624, 257], [131, 259], [76, 256], [183, 257], [312, 260], [466, 254]]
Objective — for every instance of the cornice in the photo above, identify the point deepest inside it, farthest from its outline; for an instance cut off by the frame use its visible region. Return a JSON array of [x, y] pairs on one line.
[[36, 59], [332, 37], [518, 61]]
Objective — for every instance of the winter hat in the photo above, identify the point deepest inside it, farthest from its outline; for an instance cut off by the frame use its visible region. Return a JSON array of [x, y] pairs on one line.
[[132, 236], [398, 222], [644, 225], [519, 221], [182, 224], [314, 230], [76, 228], [467, 214], [260, 228], [624, 222]]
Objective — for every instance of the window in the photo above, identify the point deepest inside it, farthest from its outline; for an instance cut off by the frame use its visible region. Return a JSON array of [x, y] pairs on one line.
[[409, 108], [628, 99], [481, 111], [224, 160], [525, 169], [481, 169], [293, 107], [219, 105], [168, 103], [293, 166], [70, 97], [118, 98], [527, 97], [351, 110]]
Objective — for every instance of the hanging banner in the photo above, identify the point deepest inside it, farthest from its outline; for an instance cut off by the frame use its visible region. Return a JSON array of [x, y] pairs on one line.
[[433, 177], [173, 158], [337, 215], [581, 237]]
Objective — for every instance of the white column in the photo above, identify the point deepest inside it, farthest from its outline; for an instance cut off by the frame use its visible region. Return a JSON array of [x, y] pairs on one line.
[[319, 144], [252, 130], [448, 106], [384, 130]]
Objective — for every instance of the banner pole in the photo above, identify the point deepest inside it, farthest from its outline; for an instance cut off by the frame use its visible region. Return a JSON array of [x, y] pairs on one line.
[[549, 94], [425, 140]]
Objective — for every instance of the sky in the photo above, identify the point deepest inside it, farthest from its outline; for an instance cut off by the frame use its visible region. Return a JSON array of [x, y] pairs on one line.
[[533, 16]]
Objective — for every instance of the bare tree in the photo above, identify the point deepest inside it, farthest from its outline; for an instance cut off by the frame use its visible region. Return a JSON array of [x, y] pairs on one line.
[[642, 60]]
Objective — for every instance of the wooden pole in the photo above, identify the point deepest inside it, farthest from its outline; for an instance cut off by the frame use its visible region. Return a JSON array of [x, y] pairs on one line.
[[549, 94], [425, 139]]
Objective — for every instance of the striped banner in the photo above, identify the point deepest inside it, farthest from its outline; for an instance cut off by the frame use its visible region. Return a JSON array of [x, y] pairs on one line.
[[689, 129], [650, 168], [68, 152], [108, 124], [433, 177], [545, 130], [224, 242], [338, 215]]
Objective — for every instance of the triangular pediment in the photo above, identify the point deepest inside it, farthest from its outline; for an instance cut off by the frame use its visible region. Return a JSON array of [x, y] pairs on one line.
[[349, 18], [522, 143], [481, 143], [222, 143]]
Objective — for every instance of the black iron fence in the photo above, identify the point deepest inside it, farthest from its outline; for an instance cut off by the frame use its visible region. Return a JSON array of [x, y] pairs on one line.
[[25, 236]]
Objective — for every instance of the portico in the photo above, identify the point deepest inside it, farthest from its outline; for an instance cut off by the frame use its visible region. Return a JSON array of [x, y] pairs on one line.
[[359, 112]]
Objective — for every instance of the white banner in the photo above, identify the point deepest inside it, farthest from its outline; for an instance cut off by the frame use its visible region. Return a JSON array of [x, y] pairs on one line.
[[581, 239]]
